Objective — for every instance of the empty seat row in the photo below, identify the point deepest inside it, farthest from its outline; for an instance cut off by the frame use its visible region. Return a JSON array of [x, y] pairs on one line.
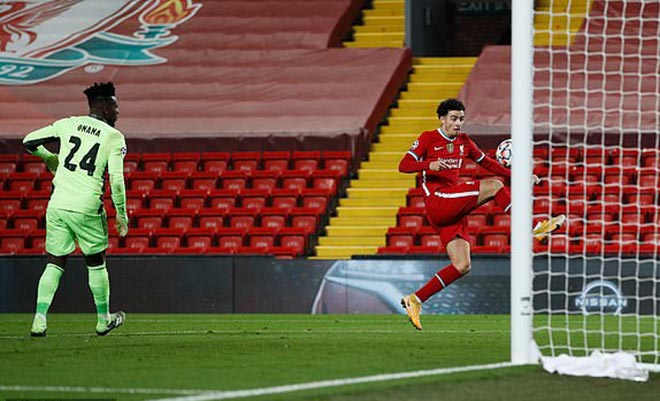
[[205, 161]]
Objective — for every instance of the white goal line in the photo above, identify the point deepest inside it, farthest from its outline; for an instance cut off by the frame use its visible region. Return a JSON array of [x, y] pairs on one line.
[[210, 395]]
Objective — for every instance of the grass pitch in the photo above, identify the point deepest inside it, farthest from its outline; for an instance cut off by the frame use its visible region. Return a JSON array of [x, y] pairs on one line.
[[173, 356]]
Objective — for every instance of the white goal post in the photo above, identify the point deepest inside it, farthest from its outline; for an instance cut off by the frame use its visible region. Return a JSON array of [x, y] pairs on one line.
[[585, 117]]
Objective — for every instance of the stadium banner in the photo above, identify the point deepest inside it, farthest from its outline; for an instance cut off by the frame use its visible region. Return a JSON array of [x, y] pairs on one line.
[[593, 285], [212, 284]]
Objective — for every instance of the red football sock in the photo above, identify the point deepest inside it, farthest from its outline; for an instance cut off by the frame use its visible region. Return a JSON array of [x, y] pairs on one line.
[[442, 279], [503, 199]]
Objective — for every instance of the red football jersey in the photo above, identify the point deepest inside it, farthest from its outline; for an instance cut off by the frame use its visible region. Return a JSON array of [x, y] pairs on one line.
[[434, 145]]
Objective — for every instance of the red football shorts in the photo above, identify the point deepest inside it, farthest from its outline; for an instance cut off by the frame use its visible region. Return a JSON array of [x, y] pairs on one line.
[[446, 209]]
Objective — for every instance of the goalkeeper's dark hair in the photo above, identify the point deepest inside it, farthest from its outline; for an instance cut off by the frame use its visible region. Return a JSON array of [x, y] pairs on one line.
[[447, 105], [99, 91]]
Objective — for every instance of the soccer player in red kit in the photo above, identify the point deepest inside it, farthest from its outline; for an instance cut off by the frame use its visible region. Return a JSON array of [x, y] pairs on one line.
[[438, 156]]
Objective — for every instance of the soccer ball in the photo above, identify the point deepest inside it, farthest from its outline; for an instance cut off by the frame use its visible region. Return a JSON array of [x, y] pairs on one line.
[[504, 153]]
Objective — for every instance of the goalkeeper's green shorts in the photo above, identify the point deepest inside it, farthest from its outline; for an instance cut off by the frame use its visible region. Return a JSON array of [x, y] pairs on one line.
[[65, 228]]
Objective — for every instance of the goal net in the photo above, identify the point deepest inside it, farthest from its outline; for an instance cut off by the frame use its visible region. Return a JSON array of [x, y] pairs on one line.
[[596, 107]]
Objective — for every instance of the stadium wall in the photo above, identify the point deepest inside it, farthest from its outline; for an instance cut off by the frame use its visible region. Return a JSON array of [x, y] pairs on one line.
[[179, 284]]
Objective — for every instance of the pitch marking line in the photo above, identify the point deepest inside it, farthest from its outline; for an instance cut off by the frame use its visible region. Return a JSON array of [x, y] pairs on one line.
[[252, 331], [67, 389], [225, 395], [212, 395]]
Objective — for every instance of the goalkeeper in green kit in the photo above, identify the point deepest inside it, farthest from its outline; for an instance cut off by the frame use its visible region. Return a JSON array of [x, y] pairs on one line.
[[75, 214]]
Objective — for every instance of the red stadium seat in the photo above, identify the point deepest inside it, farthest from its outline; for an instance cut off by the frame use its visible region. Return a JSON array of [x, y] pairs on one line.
[[254, 198], [193, 199], [430, 238], [263, 237], [168, 239], [306, 160], [496, 240], [475, 222], [235, 180], [181, 220], [315, 199], [294, 238], [230, 238], [200, 238], [11, 241], [223, 199], [242, 218], [329, 180], [246, 161], [8, 164], [155, 162], [273, 218], [216, 166], [137, 239], [295, 180], [213, 219], [174, 181], [305, 219], [22, 182], [10, 201], [162, 200], [284, 198], [204, 181], [149, 219], [339, 161], [502, 220], [187, 162], [264, 180]]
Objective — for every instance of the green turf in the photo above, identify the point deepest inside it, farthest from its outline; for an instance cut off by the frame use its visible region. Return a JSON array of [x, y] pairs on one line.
[[233, 352]]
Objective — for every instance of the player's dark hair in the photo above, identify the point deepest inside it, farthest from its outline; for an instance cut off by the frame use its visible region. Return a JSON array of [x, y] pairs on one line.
[[449, 104], [99, 91]]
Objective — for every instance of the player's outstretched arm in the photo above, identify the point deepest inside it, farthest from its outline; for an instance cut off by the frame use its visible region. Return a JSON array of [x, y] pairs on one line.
[[409, 164], [494, 167], [117, 185], [34, 143]]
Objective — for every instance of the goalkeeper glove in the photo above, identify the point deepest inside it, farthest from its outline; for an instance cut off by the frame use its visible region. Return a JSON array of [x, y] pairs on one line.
[[122, 225]]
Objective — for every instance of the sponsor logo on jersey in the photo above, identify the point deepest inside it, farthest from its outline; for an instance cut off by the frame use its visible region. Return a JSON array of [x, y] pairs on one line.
[[415, 145], [38, 40], [601, 296]]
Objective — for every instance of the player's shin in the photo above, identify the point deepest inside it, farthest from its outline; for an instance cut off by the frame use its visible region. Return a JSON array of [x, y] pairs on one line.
[[438, 282], [99, 284], [48, 283]]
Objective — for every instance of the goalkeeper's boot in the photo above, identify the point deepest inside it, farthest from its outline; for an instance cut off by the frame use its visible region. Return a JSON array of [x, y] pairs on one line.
[[413, 307], [38, 326], [545, 227], [105, 327]]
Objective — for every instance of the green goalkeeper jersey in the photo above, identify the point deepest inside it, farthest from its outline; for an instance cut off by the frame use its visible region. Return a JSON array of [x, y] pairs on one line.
[[87, 147]]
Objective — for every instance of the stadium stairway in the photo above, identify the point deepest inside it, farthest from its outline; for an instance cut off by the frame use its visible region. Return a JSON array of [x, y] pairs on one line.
[[551, 25], [379, 191], [384, 25]]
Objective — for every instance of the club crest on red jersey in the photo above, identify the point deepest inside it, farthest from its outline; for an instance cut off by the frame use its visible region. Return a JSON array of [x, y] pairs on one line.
[[38, 40]]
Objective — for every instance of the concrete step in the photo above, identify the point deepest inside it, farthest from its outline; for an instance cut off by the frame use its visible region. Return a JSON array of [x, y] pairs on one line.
[[394, 201], [359, 231], [367, 45], [417, 61], [351, 241], [382, 174], [343, 252], [405, 182], [375, 193], [367, 211]]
